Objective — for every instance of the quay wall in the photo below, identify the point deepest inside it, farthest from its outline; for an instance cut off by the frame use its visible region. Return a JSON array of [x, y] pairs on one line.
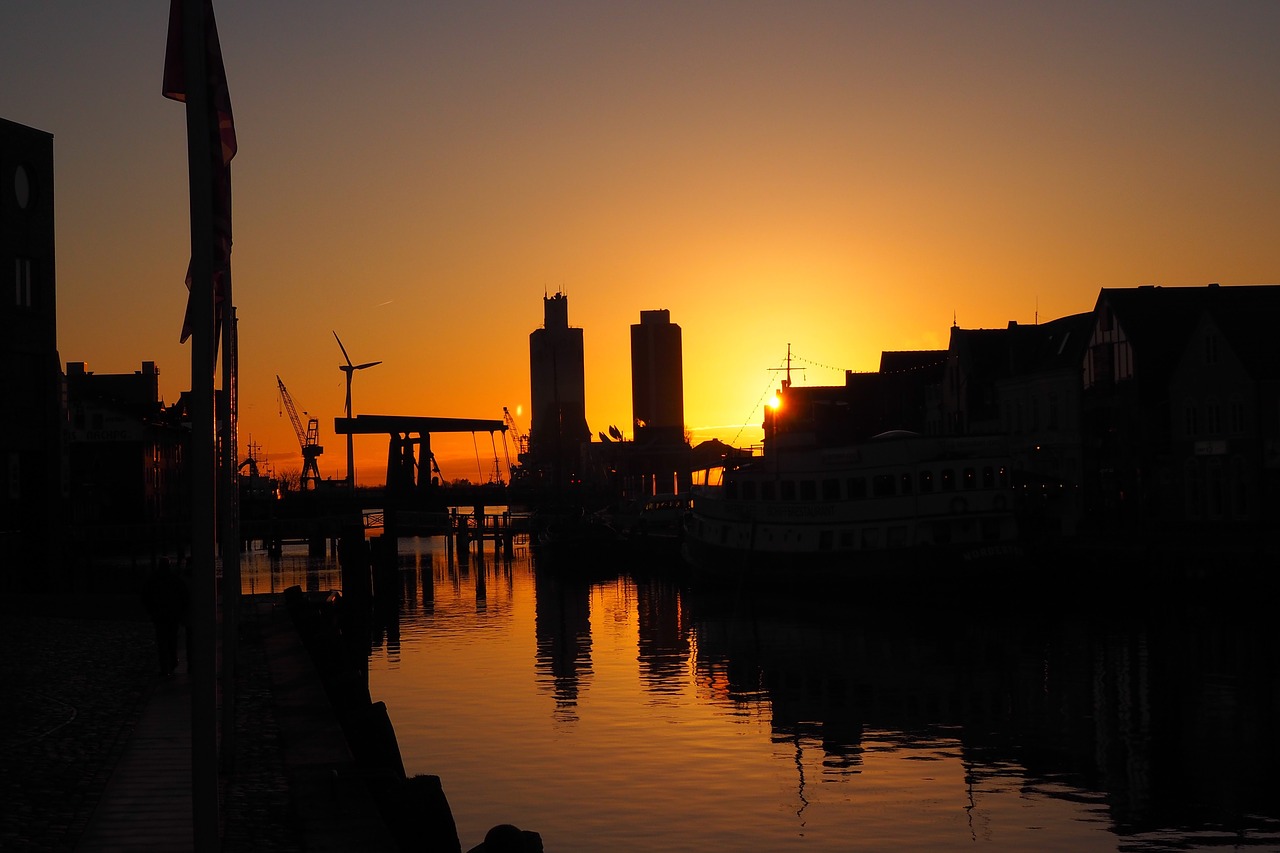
[[361, 765]]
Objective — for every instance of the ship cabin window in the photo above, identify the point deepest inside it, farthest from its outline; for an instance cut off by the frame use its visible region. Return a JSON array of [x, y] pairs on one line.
[[882, 485], [749, 490], [926, 482], [988, 477], [731, 489], [857, 487], [948, 480], [1003, 477], [870, 538], [808, 490], [825, 539], [846, 538], [788, 490], [831, 490], [767, 490], [906, 483], [896, 536], [970, 478]]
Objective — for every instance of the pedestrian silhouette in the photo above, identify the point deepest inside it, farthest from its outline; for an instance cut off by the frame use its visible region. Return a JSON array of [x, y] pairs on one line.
[[165, 597]]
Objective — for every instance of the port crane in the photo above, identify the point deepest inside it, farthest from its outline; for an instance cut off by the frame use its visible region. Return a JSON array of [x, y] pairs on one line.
[[308, 440], [521, 440]]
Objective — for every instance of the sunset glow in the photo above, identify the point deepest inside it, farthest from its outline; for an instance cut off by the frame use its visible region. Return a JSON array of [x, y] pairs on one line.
[[847, 178]]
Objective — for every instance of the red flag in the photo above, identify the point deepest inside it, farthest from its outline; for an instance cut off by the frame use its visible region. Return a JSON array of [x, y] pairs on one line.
[[223, 146]]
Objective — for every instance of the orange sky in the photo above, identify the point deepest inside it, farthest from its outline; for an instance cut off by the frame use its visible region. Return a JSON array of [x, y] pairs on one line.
[[844, 177]]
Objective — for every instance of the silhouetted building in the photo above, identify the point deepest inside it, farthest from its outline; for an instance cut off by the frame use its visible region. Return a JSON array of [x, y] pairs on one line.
[[1040, 399], [895, 397], [31, 430], [1182, 406], [125, 461], [657, 379], [557, 385], [660, 454]]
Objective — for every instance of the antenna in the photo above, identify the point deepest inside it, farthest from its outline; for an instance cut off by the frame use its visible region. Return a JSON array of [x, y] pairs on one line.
[[786, 383]]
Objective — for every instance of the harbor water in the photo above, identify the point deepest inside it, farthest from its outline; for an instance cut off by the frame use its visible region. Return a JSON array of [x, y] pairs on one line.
[[631, 707]]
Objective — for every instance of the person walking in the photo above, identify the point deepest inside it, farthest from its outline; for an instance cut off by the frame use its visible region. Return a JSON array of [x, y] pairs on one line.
[[165, 598]]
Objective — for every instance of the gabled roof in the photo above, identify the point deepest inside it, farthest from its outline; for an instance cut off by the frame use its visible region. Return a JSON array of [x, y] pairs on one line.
[[1158, 320], [1054, 345]]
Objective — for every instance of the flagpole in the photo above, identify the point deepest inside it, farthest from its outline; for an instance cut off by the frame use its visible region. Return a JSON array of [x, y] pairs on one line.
[[229, 520], [202, 656]]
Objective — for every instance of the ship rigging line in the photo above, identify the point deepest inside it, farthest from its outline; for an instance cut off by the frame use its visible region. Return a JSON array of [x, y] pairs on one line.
[[767, 385]]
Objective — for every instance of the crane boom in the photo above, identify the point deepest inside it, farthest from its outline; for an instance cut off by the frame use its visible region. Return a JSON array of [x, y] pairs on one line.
[[308, 439], [522, 440]]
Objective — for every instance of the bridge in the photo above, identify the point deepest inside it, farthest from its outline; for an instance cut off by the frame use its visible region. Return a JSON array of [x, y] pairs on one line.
[[409, 457]]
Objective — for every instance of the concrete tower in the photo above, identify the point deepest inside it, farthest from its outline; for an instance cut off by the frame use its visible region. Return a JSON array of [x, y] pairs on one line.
[[557, 388], [657, 380]]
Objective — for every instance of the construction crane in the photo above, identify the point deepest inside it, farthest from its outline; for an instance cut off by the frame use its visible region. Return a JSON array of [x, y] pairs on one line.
[[308, 440], [521, 440]]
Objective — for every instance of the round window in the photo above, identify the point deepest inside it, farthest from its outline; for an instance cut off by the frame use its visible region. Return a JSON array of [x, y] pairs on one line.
[[22, 187]]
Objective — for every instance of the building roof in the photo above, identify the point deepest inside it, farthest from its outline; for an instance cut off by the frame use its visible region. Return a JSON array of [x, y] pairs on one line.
[[896, 362], [1158, 320]]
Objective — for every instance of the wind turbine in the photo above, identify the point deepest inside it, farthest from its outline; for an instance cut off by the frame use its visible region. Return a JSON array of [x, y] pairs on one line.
[[350, 370]]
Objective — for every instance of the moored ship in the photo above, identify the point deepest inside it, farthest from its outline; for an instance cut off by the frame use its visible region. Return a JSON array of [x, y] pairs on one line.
[[860, 507]]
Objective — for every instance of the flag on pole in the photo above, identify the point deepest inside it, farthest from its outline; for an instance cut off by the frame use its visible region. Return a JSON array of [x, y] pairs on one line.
[[223, 142]]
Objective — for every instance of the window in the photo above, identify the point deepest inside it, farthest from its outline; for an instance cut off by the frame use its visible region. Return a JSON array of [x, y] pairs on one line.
[[1190, 419], [1212, 417], [22, 282], [1102, 362], [882, 485], [831, 490], [749, 490], [970, 478], [1236, 408], [988, 477], [948, 480], [906, 483], [788, 490], [926, 482], [857, 487], [767, 490], [1215, 488], [808, 490]]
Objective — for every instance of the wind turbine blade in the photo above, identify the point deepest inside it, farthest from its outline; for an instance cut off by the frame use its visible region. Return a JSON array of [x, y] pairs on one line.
[[366, 364], [341, 347]]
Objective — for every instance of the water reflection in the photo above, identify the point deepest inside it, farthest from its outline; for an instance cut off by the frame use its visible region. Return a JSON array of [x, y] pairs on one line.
[[562, 624], [756, 719]]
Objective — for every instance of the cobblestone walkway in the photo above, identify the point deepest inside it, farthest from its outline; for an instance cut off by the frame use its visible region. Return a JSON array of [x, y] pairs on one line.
[[73, 690]]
